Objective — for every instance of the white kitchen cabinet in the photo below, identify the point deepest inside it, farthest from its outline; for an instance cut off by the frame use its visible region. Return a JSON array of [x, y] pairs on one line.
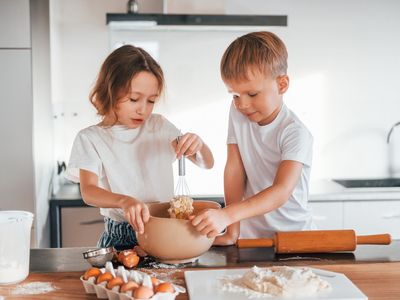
[[327, 215], [15, 24], [373, 217], [27, 160]]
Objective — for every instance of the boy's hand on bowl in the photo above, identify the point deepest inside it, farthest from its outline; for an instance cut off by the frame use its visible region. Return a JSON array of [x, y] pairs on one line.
[[210, 222], [136, 213]]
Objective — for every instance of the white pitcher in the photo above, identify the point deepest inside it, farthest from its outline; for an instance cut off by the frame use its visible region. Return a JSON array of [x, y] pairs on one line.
[[15, 239]]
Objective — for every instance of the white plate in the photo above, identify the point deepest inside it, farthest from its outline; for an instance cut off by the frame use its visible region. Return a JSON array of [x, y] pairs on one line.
[[204, 285]]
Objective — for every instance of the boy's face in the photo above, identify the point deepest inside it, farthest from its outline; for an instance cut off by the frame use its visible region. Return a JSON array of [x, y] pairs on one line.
[[259, 97]]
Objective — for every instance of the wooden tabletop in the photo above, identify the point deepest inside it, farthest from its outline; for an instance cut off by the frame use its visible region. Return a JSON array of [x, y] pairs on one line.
[[376, 280]]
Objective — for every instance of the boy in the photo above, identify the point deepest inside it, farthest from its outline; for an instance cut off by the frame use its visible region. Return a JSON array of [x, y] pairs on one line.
[[269, 148]]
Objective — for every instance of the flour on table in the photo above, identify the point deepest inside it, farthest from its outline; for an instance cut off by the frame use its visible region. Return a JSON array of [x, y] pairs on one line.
[[33, 288], [276, 281]]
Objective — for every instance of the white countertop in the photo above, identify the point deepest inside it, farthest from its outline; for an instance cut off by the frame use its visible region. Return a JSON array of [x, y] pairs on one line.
[[321, 190], [328, 190]]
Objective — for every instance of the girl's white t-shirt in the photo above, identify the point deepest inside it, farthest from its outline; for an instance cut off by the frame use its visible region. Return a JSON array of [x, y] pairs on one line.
[[262, 149], [134, 162]]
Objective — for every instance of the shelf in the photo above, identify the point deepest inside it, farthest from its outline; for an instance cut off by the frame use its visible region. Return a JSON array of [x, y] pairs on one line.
[[153, 20]]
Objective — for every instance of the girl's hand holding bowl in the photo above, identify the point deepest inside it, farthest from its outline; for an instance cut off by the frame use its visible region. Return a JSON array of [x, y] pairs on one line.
[[136, 213]]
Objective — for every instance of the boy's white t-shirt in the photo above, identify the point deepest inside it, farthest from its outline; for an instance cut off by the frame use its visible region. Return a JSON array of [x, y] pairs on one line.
[[262, 149], [134, 162]]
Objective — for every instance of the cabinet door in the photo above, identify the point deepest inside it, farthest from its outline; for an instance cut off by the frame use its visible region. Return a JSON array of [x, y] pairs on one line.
[[373, 217], [81, 226], [327, 215], [16, 113], [15, 29]]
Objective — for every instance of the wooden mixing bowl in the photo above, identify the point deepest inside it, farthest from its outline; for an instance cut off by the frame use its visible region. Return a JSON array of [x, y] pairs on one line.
[[174, 240]]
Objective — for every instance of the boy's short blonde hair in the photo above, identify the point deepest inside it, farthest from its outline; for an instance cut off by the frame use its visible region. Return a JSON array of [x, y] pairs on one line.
[[260, 51]]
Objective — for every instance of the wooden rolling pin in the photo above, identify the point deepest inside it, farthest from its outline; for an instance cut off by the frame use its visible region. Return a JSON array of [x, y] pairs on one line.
[[315, 241]]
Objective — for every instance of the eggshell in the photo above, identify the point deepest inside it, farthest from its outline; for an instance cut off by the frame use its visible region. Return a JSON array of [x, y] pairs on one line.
[[130, 260], [92, 272], [107, 276], [165, 287], [129, 286], [117, 281], [143, 292], [124, 253]]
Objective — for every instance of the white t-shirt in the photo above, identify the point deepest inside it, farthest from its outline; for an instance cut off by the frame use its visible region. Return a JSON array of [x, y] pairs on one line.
[[134, 162], [262, 149]]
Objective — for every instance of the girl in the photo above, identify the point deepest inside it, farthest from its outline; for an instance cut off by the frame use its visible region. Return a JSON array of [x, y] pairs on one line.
[[125, 161]]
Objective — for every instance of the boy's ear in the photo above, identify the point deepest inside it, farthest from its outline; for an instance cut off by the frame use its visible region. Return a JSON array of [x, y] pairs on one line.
[[283, 83]]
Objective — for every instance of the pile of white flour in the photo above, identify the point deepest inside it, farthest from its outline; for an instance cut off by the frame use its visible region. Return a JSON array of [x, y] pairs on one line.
[[33, 288], [276, 281]]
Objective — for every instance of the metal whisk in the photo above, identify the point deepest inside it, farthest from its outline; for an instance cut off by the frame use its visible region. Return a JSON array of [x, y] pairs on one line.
[[181, 188]]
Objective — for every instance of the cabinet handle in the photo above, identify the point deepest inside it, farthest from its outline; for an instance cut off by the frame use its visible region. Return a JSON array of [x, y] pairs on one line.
[[319, 218], [92, 222], [393, 216]]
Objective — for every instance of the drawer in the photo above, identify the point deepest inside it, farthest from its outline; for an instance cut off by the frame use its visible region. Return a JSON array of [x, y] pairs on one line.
[[373, 217], [15, 24], [81, 226], [327, 215]]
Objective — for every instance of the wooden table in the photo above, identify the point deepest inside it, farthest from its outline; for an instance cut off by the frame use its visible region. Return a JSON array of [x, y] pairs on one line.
[[376, 280]]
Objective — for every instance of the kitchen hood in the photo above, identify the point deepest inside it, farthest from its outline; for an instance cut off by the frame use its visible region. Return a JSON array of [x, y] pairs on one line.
[[197, 20]]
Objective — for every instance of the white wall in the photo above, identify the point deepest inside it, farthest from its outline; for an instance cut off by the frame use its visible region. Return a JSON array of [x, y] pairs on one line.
[[343, 62]]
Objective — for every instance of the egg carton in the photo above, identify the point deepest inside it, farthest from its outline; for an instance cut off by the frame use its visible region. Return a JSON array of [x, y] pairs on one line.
[[142, 278]]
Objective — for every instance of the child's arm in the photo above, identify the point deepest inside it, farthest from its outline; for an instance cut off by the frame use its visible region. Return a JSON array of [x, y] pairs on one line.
[[234, 183], [136, 212], [210, 222], [195, 149]]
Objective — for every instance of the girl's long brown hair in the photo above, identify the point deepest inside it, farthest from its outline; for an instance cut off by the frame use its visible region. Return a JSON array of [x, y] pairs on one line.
[[115, 76]]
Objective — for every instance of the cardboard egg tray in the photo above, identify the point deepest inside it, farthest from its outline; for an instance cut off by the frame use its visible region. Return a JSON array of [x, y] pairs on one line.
[[142, 278]]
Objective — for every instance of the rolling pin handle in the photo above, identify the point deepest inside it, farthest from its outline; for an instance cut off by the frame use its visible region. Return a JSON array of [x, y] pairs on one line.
[[254, 243], [377, 239]]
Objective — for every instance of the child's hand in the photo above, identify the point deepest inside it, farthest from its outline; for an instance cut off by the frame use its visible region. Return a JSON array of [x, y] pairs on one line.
[[210, 222], [136, 213], [188, 145], [229, 237]]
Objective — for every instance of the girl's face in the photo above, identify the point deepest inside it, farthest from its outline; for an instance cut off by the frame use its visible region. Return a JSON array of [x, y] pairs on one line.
[[136, 107], [260, 97]]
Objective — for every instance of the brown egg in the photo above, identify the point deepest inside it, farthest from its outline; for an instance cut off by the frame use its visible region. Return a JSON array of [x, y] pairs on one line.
[[107, 276], [165, 287], [154, 281], [143, 292], [129, 286], [117, 281], [130, 260], [92, 272]]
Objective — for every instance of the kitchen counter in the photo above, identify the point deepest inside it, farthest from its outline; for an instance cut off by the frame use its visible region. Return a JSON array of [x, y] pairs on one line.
[[320, 190], [328, 190], [376, 281], [374, 269], [71, 259]]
